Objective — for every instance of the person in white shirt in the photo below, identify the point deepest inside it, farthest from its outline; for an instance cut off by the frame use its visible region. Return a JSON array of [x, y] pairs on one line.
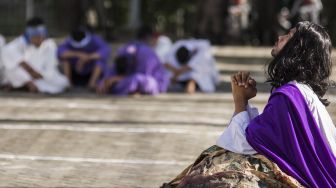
[[30, 61], [191, 64], [2, 44]]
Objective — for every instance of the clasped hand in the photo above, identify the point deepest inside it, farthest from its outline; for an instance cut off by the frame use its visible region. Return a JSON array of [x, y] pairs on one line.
[[243, 89]]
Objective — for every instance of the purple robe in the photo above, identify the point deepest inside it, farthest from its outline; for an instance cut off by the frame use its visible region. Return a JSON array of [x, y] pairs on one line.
[[96, 44], [287, 133], [136, 83], [147, 75]]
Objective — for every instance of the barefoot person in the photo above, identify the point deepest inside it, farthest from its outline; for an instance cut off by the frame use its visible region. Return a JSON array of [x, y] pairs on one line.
[[192, 65], [84, 57], [30, 61], [137, 69], [294, 132]]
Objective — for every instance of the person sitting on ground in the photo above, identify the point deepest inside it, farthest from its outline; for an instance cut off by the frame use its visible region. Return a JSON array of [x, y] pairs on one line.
[[137, 69], [294, 131], [30, 61], [2, 44], [192, 65], [2, 41], [84, 57]]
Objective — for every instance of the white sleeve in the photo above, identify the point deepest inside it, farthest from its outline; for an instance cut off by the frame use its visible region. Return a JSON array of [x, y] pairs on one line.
[[252, 111], [12, 54], [233, 138]]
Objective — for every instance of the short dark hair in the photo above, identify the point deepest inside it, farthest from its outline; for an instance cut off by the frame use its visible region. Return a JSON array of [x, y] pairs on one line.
[[144, 32], [79, 33], [122, 64], [305, 58], [35, 21], [182, 55]]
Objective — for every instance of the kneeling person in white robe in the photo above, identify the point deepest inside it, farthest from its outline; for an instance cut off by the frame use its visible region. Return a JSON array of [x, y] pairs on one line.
[[30, 61], [192, 64]]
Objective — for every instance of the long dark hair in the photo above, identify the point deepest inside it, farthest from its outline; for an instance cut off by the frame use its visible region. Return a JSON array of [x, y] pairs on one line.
[[305, 58]]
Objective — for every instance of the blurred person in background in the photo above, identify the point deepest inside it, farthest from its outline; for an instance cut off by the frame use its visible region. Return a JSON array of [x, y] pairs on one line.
[[239, 12], [307, 10], [137, 69], [30, 61], [192, 66], [266, 20], [2, 44], [2, 41], [84, 57], [212, 15]]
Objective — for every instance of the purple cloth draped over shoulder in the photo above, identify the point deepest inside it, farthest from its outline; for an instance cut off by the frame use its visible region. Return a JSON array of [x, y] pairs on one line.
[[287, 133], [147, 74], [96, 44]]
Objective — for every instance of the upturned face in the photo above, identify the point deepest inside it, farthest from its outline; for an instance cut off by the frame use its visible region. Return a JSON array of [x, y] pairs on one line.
[[282, 41]]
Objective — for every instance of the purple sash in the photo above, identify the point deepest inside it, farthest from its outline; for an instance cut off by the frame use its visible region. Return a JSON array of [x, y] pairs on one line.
[[287, 133]]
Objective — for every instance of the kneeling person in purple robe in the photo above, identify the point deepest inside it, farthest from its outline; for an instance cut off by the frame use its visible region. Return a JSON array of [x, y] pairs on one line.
[[137, 69], [123, 82], [84, 58]]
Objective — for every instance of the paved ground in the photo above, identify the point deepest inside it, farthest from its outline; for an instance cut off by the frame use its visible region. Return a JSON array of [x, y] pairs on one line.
[[79, 139]]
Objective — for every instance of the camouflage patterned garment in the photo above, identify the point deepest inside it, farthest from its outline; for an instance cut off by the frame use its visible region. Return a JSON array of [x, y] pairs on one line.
[[217, 167]]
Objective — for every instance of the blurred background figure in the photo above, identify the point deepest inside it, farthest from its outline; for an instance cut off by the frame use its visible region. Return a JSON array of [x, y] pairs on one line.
[[241, 10], [2, 41], [212, 14], [192, 66], [137, 69], [265, 26], [307, 10], [283, 18], [2, 44], [84, 57], [94, 13], [239, 15], [30, 61]]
